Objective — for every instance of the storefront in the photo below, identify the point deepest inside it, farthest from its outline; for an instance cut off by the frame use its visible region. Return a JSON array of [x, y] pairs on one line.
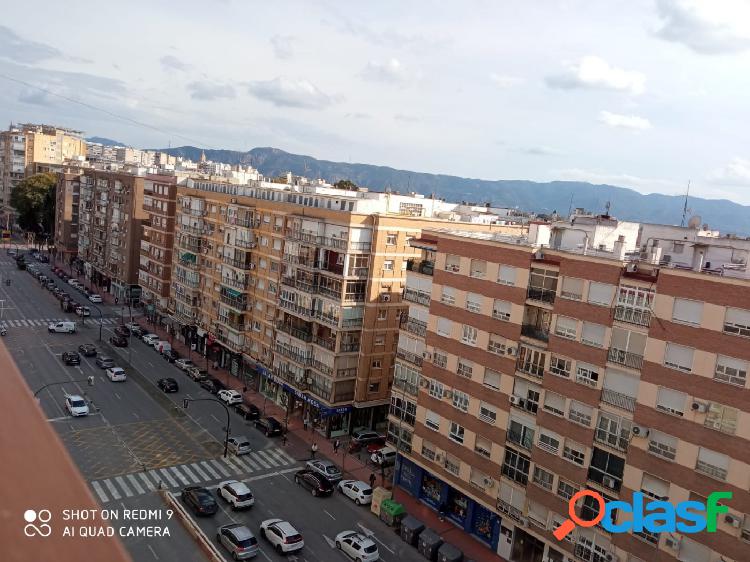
[[460, 509]]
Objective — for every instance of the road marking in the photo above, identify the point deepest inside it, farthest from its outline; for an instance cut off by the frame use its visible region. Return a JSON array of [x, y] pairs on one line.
[[219, 466], [217, 420], [264, 554], [112, 490], [100, 491], [330, 541], [210, 469], [121, 481], [371, 534], [118, 396], [179, 475], [253, 466], [271, 460], [135, 484], [58, 419], [168, 476], [190, 474], [329, 515], [275, 454], [136, 416], [147, 482], [284, 454], [200, 471], [237, 469], [257, 460], [152, 551]]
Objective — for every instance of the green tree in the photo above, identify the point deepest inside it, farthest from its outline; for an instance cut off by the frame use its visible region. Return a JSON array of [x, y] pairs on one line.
[[346, 184], [34, 201]]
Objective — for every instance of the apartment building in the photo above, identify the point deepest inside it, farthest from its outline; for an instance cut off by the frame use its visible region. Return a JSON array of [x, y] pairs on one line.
[[67, 210], [297, 286], [591, 354]]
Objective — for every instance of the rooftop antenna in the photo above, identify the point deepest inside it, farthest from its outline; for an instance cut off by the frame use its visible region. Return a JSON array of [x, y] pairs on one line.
[[685, 209], [570, 206], [607, 207]]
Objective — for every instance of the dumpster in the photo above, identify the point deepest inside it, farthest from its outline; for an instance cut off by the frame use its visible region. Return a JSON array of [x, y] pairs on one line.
[[429, 543], [391, 512], [378, 495], [410, 529], [449, 553]]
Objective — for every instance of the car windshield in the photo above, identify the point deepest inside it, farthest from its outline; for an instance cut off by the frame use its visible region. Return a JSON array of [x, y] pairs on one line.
[[294, 538], [331, 470], [77, 403], [370, 548], [205, 498], [252, 541], [366, 492]]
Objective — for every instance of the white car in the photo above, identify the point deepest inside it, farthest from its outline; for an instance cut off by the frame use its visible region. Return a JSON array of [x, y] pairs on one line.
[[356, 490], [236, 493], [150, 339], [357, 546], [64, 327], [116, 374], [231, 397], [282, 536], [73, 282], [183, 364], [95, 298], [76, 405]]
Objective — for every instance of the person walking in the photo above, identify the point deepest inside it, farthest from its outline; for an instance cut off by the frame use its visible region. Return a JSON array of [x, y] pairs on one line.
[[336, 445], [313, 450], [305, 421], [373, 478], [283, 439]]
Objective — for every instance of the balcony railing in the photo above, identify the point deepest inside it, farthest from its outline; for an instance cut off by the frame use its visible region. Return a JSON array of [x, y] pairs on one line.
[[349, 347], [532, 331], [627, 358], [234, 302], [239, 264], [409, 356], [237, 326], [235, 346], [322, 367], [192, 283], [418, 297], [540, 294], [191, 245], [328, 291], [298, 333], [427, 267], [511, 511], [711, 470], [414, 326], [328, 343], [632, 315], [234, 283], [297, 309], [619, 400], [294, 355]]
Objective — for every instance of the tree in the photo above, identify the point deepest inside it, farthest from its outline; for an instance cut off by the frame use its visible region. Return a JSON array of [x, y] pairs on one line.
[[34, 201], [346, 184]]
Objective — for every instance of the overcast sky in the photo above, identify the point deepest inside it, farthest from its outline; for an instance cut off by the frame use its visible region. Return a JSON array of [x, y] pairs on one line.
[[640, 93]]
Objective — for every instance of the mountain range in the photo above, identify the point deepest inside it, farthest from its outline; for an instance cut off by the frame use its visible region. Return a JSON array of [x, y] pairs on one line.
[[540, 197]]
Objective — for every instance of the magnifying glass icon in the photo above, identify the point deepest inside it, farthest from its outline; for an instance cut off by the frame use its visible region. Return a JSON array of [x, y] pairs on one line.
[[569, 524]]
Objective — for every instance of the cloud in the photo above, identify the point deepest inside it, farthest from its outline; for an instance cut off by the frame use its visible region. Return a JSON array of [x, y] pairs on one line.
[[595, 73], [170, 62], [709, 27], [503, 81], [390, 71], [539, 150], [632, 122], [639, 183], [358, 115], [15, 48], [287, 92], [736, 172], [210, 91], [404, 118], [282, 46], [36, 97], [389, 37]]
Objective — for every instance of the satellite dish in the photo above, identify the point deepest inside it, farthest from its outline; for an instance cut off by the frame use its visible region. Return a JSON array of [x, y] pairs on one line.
[[694, 222]]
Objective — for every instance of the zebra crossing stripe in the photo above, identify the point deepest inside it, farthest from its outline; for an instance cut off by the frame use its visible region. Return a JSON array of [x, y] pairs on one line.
[[285, 455], [121, 481], [210, 469], [275, 454], [190, 474], [259, 460], [200, 471], [270, 458], [100, 491], [136, 484], [235, 468], [179, 475], [168, 476], [147, 482], [219, 467], [112, 490]]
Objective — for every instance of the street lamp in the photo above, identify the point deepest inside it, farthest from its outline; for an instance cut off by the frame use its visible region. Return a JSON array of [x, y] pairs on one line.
[[186, 402], [88, 380], [101, 319]]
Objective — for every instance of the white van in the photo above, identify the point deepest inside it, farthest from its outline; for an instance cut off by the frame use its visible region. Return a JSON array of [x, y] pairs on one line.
[[64, 327], [384, 457]]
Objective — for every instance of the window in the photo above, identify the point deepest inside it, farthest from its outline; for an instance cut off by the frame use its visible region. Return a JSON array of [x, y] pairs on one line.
[[428, 450], [620, 389], [528, 393], [376, 364], [277, 244], [483, 446], [390, 239], [574, 452], [516, 466], [687, 311], [531, 361], [403, 409], [606, 468], [601, 293], [506, 275], [432, 420], [662, 445], [478, 269], [465, 368], [737, 322], [491, 379], [554, 403], [572, 288], [730, 370], [712, 463], [382, 314], [469, 334], [460, 400], [587, 374], [580, 413], [456, 432], [592, 334], [487, 413], [543, 478], [566, 490], [448, 296], [496, 345], [373, 387], [444, 327], [722, 418], [439, 359], [671, 401], [560, 366], [436, 389], [655, 488], [679, 357], [452, 263], [388, 265], [566, 327], [548, 441], [613, 430], [379, 340], [520, 434], [501, 310], [473, 302]]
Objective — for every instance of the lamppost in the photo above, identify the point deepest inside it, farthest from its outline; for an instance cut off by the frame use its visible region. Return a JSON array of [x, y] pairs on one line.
[[88, 380], [101, 320], [186, 402]]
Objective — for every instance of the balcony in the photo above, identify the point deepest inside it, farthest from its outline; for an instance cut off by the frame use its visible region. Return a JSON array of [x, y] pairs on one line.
[[427, 267], [299, 333], [236, 325], [417, 297], [410, 356], [293, 354], [327, 343], [540, 294], [618, 400], [349, 347], [187, 299], [627, 358], [511, 511], [238, 303], [199, 230], [414, 326], [533, 331], [321, 367], [234, 283], [332, 293], [632, 315], [249, 244], [331, 320], [191, 283], [237, 263], [193, 212], [233, 345], [194, 245]]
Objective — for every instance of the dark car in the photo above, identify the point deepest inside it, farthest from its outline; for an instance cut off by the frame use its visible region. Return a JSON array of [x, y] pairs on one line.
[[122, 331], [171, 355], [168, 385], [87, 349], [118, 341], [212, 385], [248, 411], [318, 484], [269, 426], [71, 358], [200, 500], [104, 362], [43, 259]]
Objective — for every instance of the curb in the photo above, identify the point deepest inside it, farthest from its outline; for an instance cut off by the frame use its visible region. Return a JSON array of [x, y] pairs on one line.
[[200, 537]]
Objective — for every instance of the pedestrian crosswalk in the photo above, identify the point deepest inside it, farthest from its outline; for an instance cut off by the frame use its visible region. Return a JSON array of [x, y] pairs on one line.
[[44, 322], [206, 472]]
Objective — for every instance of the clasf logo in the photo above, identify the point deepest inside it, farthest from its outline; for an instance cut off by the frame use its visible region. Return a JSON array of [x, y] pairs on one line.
[[654, 516]]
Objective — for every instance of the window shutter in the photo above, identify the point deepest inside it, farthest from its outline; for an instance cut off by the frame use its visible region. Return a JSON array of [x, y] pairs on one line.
[[686, 310], [601, 293], [671, 399]]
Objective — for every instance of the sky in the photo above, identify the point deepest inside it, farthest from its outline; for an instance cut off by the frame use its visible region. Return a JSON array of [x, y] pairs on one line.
[[647, 94]]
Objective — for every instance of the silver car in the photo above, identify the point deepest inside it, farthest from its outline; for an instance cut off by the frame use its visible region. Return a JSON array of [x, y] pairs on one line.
[[239, 445], [238, 540], [325, 468]]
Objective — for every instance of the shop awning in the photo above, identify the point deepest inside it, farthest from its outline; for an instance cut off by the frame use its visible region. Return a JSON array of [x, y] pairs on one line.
[[187, 256]]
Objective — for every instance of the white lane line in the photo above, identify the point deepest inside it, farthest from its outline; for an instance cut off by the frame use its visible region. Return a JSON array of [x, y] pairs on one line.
[[118, 396], [152, 551], [200, 471], [275, 454], [149, 485], [328, 514], [121, 481], [112, 490], [210, 469], [58, 419], [250, 463], [190, 474], [259, 460], [135, 484], [219, 467], [236, 467], [286, 455], [268, 458], [168, 476], [100, 491], [178, 474], [217, 420]]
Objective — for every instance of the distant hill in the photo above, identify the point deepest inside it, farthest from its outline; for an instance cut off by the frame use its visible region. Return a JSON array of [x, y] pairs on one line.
[[626, 204], [105, 141]]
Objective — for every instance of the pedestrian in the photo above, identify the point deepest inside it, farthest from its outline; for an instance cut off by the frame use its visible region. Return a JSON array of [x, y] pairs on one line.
[[117, 300], [283, 439], [372, 480], [244, 389], [313, 450], [305, 421], [336, 445], [441, 511], [216, 365]]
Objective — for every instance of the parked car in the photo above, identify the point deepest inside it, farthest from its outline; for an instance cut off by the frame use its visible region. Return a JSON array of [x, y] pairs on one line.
[[239, 445], [238, 540], [116, 374], [104, 362], [325, 468], [184, 364], [122, 331], [170, 355], [230, 397], [87, 349], [384, 457], [118, 341], [196, 373], [357, 546], [365, 436], [373, 446], [149, 339], [269, 426], [83, 311], [282, 536], [76, 405], [248, 411], [212, 385], [71, 358], [93, 297], [64, 327], [132, 325], [356, 490], [168, 385], [136, 330], [318, 484], [237, 494], [200, 500]]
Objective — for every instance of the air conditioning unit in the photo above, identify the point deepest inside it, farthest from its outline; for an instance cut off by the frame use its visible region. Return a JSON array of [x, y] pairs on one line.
[[609, 482], [511, 351], [640, 431], [385, 298], [523, 521], [672, 542], [699, 407], [426, 355], [631, 267], [233, 201], [309, 381], [732, 520], [252, 245], [516, 400], [489, 482], [424, 383], [611, 557], [438, 457], [539, 255]]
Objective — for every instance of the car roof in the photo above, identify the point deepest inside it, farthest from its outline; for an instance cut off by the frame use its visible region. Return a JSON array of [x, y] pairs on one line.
[[240, 531], [239, 487], [75, 397], [285, 527], [358, 483], [116, 369]]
